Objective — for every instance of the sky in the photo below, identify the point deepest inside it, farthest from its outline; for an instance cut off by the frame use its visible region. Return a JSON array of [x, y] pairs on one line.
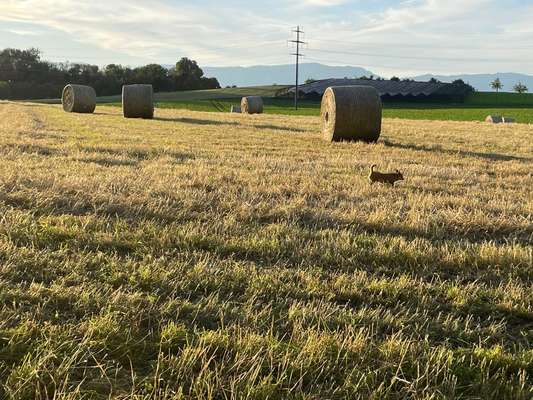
[[403, 38]]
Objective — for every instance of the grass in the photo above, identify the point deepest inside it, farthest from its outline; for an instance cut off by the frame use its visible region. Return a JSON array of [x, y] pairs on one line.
[[195, 95], [219, 256], [447, 113], [504, 99]]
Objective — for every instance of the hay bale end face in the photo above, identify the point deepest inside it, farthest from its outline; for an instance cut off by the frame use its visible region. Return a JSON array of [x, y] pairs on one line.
[[138, 101], [78, 99], [235, 109], [351, 113], [252, 105], [494, 119]]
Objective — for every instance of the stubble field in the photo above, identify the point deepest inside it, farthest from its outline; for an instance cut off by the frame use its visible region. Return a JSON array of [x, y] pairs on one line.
[[218, 256]]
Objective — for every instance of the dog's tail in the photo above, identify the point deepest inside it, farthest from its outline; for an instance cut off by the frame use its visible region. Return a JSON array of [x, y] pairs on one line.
[[373, 167]]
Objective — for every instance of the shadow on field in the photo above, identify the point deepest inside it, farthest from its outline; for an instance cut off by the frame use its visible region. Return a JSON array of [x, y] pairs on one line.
[[106, 113], [280, 128], [365, 253], [489, 156], [195, 121], [501, 234], [139, 154], [26, 103], [108, 162], [32, 149]]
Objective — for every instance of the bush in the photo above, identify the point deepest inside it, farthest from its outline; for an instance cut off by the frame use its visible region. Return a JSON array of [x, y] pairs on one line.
[[29, 90], [5, 91]]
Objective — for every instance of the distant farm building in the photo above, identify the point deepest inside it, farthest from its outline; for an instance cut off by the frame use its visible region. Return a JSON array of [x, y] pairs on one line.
[[391, 90]]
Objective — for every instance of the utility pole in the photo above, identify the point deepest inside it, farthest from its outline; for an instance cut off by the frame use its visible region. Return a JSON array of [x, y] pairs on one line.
[[298, 42]]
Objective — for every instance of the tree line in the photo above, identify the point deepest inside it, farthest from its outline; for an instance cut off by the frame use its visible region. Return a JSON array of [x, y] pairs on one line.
[[25, 75]]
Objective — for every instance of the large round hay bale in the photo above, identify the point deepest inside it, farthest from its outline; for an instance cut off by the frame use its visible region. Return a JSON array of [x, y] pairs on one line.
[[78, 99], [138, 101], [494, 119], [252, 105], [351, 113], [235, 109], [508, 120]]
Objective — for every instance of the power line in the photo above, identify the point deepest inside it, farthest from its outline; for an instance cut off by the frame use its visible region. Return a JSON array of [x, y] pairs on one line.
[[411, 57], [298, 42], [365, 65], [422, 46]]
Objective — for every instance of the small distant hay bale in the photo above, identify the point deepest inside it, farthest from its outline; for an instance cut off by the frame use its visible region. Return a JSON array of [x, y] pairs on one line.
[[138, 101], [252, 105], [236, 109], [351, 113], [78, 99], [508, 120], [494, 119]]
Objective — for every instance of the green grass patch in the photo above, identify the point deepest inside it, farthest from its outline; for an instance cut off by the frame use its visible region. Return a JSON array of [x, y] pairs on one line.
[[500, 99]]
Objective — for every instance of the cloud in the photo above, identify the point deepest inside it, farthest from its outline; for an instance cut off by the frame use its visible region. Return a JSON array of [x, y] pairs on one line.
[[163, 31], [22, 32], [325, 3], [433, 35], [377, 35]]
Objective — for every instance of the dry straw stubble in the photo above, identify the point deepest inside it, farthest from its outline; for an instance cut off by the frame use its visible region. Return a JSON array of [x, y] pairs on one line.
[[197, 255]]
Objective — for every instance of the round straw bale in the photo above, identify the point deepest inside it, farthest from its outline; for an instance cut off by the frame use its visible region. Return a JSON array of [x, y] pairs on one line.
[[236, 109], [494, 119], [138, 101], [78, 99], [508, 120], [252, 105], [351, 113]]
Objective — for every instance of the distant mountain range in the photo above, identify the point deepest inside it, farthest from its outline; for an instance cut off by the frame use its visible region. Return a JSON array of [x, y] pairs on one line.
[[279, 74], [284, 75]]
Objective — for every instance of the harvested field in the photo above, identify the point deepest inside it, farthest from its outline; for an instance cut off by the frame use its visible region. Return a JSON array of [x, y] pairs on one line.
[[212, 256]]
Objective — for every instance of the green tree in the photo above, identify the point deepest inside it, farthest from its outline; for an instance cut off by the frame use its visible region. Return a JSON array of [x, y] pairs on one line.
[[496, 85], [395, 79], [22, 65], [189, 76], [520, 88], [459, 82], [155, 75]]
